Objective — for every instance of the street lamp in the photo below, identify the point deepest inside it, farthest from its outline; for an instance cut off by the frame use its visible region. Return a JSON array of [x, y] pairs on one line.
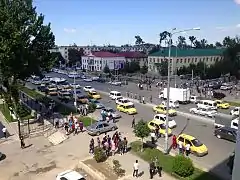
[[75, 93], [173, 31]]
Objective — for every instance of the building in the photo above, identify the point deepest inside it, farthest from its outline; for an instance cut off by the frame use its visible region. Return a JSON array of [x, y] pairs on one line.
[[135, 56], [96, 61], [183, 57]]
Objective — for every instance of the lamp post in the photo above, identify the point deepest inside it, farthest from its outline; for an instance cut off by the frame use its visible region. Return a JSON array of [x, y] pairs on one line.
[[168, 79], [75, 93]]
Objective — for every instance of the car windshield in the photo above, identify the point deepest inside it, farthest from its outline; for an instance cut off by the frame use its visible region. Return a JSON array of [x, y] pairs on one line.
[[88, 87], [196, 143], [129, 106], [162, 126], [94, 93]]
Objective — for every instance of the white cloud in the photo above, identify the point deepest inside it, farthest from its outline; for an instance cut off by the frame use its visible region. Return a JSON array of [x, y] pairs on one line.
[[237, 1], [67, 30], [238, 26]]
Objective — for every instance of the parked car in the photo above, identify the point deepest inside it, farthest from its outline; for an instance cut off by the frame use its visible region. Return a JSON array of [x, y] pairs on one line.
[[70, 175], [115, 83], [227, 133], [98, 104], [100, 127], [78, 86], [64, 96], [203, 112], [42, 88], [235, 111], [112, 111], [95, 78], [82, 99], [88, 79], [122, 101], [88, 88]]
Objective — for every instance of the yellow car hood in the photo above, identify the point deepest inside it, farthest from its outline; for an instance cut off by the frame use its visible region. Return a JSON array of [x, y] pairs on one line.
[[163, 131], [96, 96], [171, 111], [201, 149], [132, 110], [225, 104]]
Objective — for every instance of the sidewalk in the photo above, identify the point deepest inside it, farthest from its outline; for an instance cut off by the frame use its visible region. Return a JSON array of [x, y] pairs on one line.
[[127, 161]]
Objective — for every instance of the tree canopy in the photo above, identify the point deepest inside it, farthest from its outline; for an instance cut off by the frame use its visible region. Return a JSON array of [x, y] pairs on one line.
[[141, 129], [25, 42]]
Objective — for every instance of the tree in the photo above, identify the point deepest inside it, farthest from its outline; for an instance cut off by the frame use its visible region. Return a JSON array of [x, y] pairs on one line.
[[106, 69], [163, 36], [74, 56], [181, 42], [163, 68], [25, 44], [133, 67], [141, 130], [192, 39], [203, 43], [139, 40], [218, 44], [144, 69]]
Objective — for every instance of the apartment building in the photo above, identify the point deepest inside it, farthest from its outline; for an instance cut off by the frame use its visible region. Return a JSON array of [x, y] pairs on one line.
[[183, 57], [96, 61], [135, 56]]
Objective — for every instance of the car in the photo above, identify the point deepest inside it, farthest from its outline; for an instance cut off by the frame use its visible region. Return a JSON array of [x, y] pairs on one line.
[[42, 88], [98, 104], [70, 175], [88, 88], [101, 80], [37, 82], [127, 108], [162, 109], [235, 111], [172, 104], [73, 75], [209, 112], [88, 79], [194, 99], [222, 105], [227, 133], [196, 147], [115, 83], [94, 95], [162, 118], [78, 86], [100, 127], [153, 124], [112, 111], [95, 78], [226, 86], [122, 101], [64, 96], [52, 90], [82, 99]]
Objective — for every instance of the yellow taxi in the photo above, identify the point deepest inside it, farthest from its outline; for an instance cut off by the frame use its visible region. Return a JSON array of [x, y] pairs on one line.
[[162, 109], [196, 147], [222, 105], [162, 128], [127, 108], [94, 95]]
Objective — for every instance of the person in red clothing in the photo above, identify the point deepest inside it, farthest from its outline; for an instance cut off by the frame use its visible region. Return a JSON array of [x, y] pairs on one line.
[[81, 126], [73, 127], [174, 142]]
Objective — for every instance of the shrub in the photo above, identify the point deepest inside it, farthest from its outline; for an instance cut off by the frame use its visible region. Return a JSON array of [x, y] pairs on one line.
[[182, 166], [117, 168], [99, 154], [92, 107]]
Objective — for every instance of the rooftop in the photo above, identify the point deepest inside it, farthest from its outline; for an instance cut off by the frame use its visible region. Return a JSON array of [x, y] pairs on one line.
[[189, 52], [132, 54], [105, 54]]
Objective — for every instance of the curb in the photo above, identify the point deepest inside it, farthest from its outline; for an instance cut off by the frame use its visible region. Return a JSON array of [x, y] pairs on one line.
[[95, 174]]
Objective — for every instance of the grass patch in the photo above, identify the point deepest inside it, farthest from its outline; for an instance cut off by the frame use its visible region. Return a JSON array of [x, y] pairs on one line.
[[233, 103], [60, 107], [166, 161], [5, 111], [87, 121]]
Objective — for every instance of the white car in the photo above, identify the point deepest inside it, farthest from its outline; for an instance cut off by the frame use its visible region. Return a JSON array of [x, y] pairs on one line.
[[204, 112], [74, 74], [37, 82], [194, 99], [95, 78], [88, 88], [121, 101], [78, 86], [115, 83], [70, 175], [235, 111], [88, 79], [172, 104], [162, 117]]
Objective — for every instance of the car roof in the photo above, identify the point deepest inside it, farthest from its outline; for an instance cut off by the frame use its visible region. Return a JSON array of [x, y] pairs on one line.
[[70, 174], [186, 136], [115, 92], [88, 86], [162, 115], [156, 121]]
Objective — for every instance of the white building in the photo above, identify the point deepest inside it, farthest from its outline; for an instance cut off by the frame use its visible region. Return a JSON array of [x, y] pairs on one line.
[[96, 61]]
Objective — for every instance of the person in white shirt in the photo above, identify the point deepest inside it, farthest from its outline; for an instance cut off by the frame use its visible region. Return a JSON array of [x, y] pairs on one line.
[[180, 147], [135, 169], [4, 130], [187, 148], [153, 135]]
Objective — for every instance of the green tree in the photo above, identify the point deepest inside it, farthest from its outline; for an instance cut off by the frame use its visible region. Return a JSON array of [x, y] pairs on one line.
[[25, 44], [144, 69], [139, 40], [163, 68], [106, 69], [141, 130], [181, 42], [74, 56], [192, 39], [133, 67]]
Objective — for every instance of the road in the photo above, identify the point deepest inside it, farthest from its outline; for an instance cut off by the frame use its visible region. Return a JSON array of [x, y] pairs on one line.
[[219, 150]]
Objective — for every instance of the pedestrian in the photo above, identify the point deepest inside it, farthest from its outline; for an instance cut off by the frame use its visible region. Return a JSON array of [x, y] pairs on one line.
[[4, 130], [150, 98], [113, 147], [187, 148], [174, 142], [133, 122], [135, 169], [125, 144], [22, 142], [152, 134], [76, 128], [57, 123], [143, 100], [81, 126], [151, 169], [99, 142], [180, 147]]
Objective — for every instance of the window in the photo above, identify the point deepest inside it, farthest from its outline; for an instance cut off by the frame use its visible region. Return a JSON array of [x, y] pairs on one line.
[[180, 60], [63, 178], [195, 59], [158, 60], [99, 126], [196, 143], [151, 124], [188, 60], [185, 60], [105, 125], [235, 124], [188, 142], [177, 61], [192, 60], [181, 139]]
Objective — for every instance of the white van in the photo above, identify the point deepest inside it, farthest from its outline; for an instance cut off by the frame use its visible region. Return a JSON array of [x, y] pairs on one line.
[[205, 104], [115, 95]]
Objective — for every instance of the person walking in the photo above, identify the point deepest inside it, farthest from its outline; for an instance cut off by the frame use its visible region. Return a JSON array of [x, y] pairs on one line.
[[187, 148], [22, 143], [153, 136], [151, 169], [135, 169], [4, 130], [133, 122], [174, 142], [143, 100], [180, 147]]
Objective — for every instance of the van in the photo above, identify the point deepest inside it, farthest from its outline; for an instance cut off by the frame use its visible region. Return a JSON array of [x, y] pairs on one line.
[[194, 99], [207, 104], [115, 95]]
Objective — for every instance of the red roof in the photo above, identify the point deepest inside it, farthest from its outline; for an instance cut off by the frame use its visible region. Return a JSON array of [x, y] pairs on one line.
[[105, 54], [132, 54]]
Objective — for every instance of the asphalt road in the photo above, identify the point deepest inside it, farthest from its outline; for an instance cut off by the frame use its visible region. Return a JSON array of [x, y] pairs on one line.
[[219, 150]]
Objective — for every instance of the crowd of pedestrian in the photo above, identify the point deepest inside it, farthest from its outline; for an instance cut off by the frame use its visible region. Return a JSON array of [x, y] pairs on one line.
[[107, 116], [111, 145]]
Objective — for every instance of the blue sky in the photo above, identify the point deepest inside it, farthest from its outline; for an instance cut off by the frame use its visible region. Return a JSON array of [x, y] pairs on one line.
[[99, 22]]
